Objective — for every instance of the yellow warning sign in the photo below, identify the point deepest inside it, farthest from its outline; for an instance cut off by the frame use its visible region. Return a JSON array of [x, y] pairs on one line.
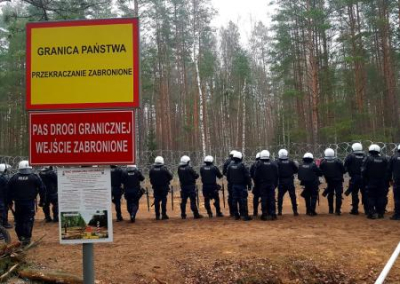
[[83, 64]]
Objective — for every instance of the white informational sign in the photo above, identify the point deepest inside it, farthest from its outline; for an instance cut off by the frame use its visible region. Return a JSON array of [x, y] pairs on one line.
[[84, 196]]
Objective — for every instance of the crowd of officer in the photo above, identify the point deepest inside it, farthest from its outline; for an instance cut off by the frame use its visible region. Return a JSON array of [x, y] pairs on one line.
[[370, 175]]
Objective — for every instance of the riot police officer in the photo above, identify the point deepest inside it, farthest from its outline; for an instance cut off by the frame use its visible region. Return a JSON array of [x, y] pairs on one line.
[[266, 177], [309, 175], [116, 187], [209, 174], [160, 178], [287, 169], [256, 191], [133, 192], [375, 174], [394, 171], [23, 189], [49, 178], [239, 177], [3, 196], [352, 165], [187, 178], [224, 172], [333, 171]]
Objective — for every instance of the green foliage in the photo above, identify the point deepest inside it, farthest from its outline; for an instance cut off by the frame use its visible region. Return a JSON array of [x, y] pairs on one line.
[[72, 221]]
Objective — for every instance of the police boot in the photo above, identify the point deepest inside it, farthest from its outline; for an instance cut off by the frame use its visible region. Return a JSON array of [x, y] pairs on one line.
[[164, 217], [295, 213], [24, 241], [274, 217], [264, 216], [133, 218], [7, 226], [119, 218], [158, 217], [197, 215], [48, 219], [395, 217], [354, 212], [210, 215], [219, 214], [381, 216], [55, 219], [372, 216], [247, 218], [183, 216]]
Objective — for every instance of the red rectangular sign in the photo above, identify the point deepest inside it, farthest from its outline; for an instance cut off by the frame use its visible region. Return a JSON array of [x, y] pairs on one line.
[[82, 138]]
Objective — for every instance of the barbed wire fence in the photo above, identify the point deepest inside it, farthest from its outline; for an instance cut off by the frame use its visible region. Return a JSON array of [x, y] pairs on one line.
[[296, 151], [145, 159]]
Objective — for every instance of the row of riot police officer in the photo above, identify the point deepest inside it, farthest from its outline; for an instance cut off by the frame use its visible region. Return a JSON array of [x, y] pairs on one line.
[[160, 178], [18, 193], [369, 175]]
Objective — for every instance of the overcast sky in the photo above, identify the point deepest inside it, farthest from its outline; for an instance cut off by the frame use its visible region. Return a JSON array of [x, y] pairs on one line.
[[242, 12]]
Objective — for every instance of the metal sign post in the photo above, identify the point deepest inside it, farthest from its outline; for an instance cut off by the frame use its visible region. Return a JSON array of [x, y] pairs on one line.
[[88, 263], [82, 85]]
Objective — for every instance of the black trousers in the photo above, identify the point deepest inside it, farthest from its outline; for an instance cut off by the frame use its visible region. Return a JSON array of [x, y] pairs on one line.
[[160, 200], [287, 186], [116, 198], [24, 218], [53, 201], [268, 202], [210, 192], [188, 192], [335, 190]]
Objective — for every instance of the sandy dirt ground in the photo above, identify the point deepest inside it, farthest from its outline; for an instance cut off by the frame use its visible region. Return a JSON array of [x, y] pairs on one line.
[[321, 249]]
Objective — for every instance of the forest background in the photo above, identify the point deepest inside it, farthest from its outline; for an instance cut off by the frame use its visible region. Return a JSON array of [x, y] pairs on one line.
[[321, 72]]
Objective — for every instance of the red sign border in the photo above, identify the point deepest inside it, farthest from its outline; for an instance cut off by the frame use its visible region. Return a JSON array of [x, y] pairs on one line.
[[81, 106], [132, 112]]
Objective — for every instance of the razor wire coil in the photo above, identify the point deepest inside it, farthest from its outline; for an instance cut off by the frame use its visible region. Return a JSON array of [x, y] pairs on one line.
[[145, 159]]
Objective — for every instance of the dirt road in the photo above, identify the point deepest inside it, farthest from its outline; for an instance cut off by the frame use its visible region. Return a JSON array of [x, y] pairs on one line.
[[321, 249]]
